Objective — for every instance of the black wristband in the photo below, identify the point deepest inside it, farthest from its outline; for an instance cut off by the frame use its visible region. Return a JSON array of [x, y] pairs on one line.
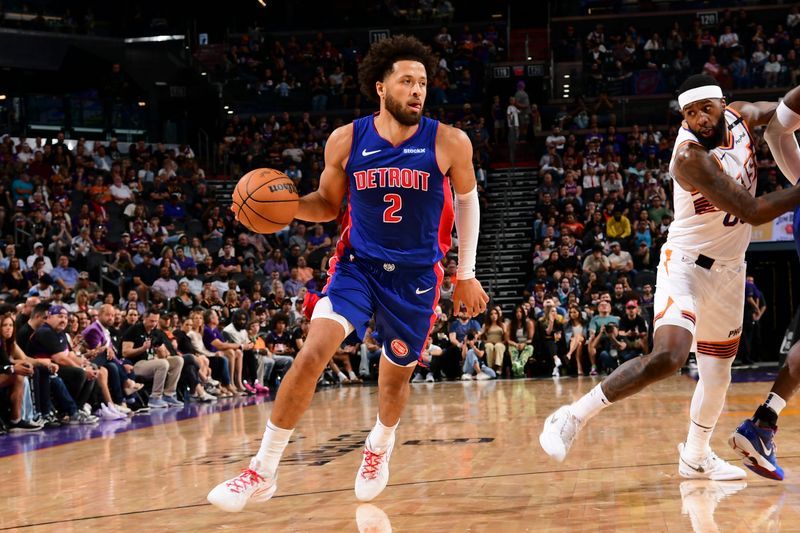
[[8, 369]]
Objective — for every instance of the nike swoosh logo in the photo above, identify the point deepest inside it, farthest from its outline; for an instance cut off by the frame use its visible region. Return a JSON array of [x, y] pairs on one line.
[[365, 153], [767, 451], [423, 292], [698, 469]]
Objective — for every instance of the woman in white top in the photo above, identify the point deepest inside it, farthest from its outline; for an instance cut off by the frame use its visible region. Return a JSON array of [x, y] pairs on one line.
[[575, 335]]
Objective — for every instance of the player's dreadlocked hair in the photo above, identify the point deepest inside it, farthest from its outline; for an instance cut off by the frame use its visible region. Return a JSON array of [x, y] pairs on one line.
[[379, 61]]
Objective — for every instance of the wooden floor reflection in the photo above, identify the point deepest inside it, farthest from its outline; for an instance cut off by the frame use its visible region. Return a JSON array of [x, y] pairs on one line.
[[467, 459]]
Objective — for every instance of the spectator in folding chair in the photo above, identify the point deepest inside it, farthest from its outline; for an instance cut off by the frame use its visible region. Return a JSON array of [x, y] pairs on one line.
[[236, 333], [144, 345], [15, 368], [102, 353], [49, 341], [214, 342]]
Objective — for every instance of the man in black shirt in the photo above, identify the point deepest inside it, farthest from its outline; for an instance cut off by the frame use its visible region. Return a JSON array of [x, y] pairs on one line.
[[50, 341], [633, 330], [26, 311], [148, 349], [32, 323], [145, 273], [281, 347]]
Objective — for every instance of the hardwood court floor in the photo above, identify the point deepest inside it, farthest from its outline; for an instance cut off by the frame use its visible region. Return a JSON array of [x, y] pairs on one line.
[[467, 459]]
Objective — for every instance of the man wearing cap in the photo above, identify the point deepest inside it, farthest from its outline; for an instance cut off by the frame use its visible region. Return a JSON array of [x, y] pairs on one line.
[[38, 251], [64, 275], [50, 341], [85, 284], [633, 330], [699, 298]]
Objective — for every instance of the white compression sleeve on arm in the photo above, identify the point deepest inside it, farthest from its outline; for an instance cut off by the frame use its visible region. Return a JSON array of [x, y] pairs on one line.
[[468, 221], [782, 141]]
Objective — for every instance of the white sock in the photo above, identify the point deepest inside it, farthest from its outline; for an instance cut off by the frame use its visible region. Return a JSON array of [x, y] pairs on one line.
[[353, 375], [707, 403], [378, 438], [342, 376], [269, 454], [697, 442], [590, 404], [775, 402]]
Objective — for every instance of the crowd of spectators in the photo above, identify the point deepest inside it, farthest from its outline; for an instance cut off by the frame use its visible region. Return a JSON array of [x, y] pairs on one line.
[[321, 73], [135, 273], [740, 52], [212, 310]]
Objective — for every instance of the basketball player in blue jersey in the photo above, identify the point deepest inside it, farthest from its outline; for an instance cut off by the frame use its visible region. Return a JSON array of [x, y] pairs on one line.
[[754, 438], [699, 299], [395, 167]]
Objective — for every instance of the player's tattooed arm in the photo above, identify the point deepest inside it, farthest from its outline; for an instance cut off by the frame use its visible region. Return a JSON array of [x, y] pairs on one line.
[[696, 169]]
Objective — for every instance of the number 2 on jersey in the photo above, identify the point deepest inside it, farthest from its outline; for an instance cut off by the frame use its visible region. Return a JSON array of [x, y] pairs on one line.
[[389, 215]]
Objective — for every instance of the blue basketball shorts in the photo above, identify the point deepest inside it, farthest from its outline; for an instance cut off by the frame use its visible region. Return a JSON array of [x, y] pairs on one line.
[[401, 298]]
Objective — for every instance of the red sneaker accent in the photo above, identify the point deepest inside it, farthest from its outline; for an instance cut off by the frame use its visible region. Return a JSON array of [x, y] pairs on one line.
[[244, 480], [372, 461]]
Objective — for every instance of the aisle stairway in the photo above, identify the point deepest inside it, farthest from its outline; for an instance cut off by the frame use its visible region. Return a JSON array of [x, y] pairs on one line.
[[505, 241]]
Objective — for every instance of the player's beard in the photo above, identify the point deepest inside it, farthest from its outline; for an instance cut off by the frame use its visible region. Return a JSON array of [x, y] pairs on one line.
[[400, 113], [709, 143]]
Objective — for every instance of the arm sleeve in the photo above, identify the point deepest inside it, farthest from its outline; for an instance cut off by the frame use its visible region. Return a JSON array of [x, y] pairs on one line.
[[780, 136], [468, 220]]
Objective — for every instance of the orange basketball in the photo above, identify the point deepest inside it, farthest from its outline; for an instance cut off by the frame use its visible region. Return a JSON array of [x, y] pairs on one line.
[[265, 200]]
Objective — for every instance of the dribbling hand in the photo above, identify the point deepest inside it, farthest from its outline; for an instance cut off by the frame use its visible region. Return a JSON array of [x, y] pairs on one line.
[[470, 293]]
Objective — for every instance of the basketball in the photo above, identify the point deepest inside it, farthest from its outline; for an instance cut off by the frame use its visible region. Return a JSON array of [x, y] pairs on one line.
[[265, 200]]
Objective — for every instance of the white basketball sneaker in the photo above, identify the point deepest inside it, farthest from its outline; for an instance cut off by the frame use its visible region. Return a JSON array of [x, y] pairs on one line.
[[711, 467], [559, 432], [232, 495], [373, 474]]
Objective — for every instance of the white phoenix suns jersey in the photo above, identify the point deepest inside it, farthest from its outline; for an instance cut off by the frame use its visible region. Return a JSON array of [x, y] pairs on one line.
[[699, 227]]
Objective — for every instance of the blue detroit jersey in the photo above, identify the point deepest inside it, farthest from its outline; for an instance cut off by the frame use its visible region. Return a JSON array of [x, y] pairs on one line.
[[400, 208]]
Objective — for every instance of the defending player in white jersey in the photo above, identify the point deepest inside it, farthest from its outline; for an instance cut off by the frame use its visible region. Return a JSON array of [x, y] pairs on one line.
[[700, 282]]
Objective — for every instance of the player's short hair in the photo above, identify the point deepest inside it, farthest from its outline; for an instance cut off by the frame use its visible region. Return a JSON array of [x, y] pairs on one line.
[[695, 81], [379, 61]]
